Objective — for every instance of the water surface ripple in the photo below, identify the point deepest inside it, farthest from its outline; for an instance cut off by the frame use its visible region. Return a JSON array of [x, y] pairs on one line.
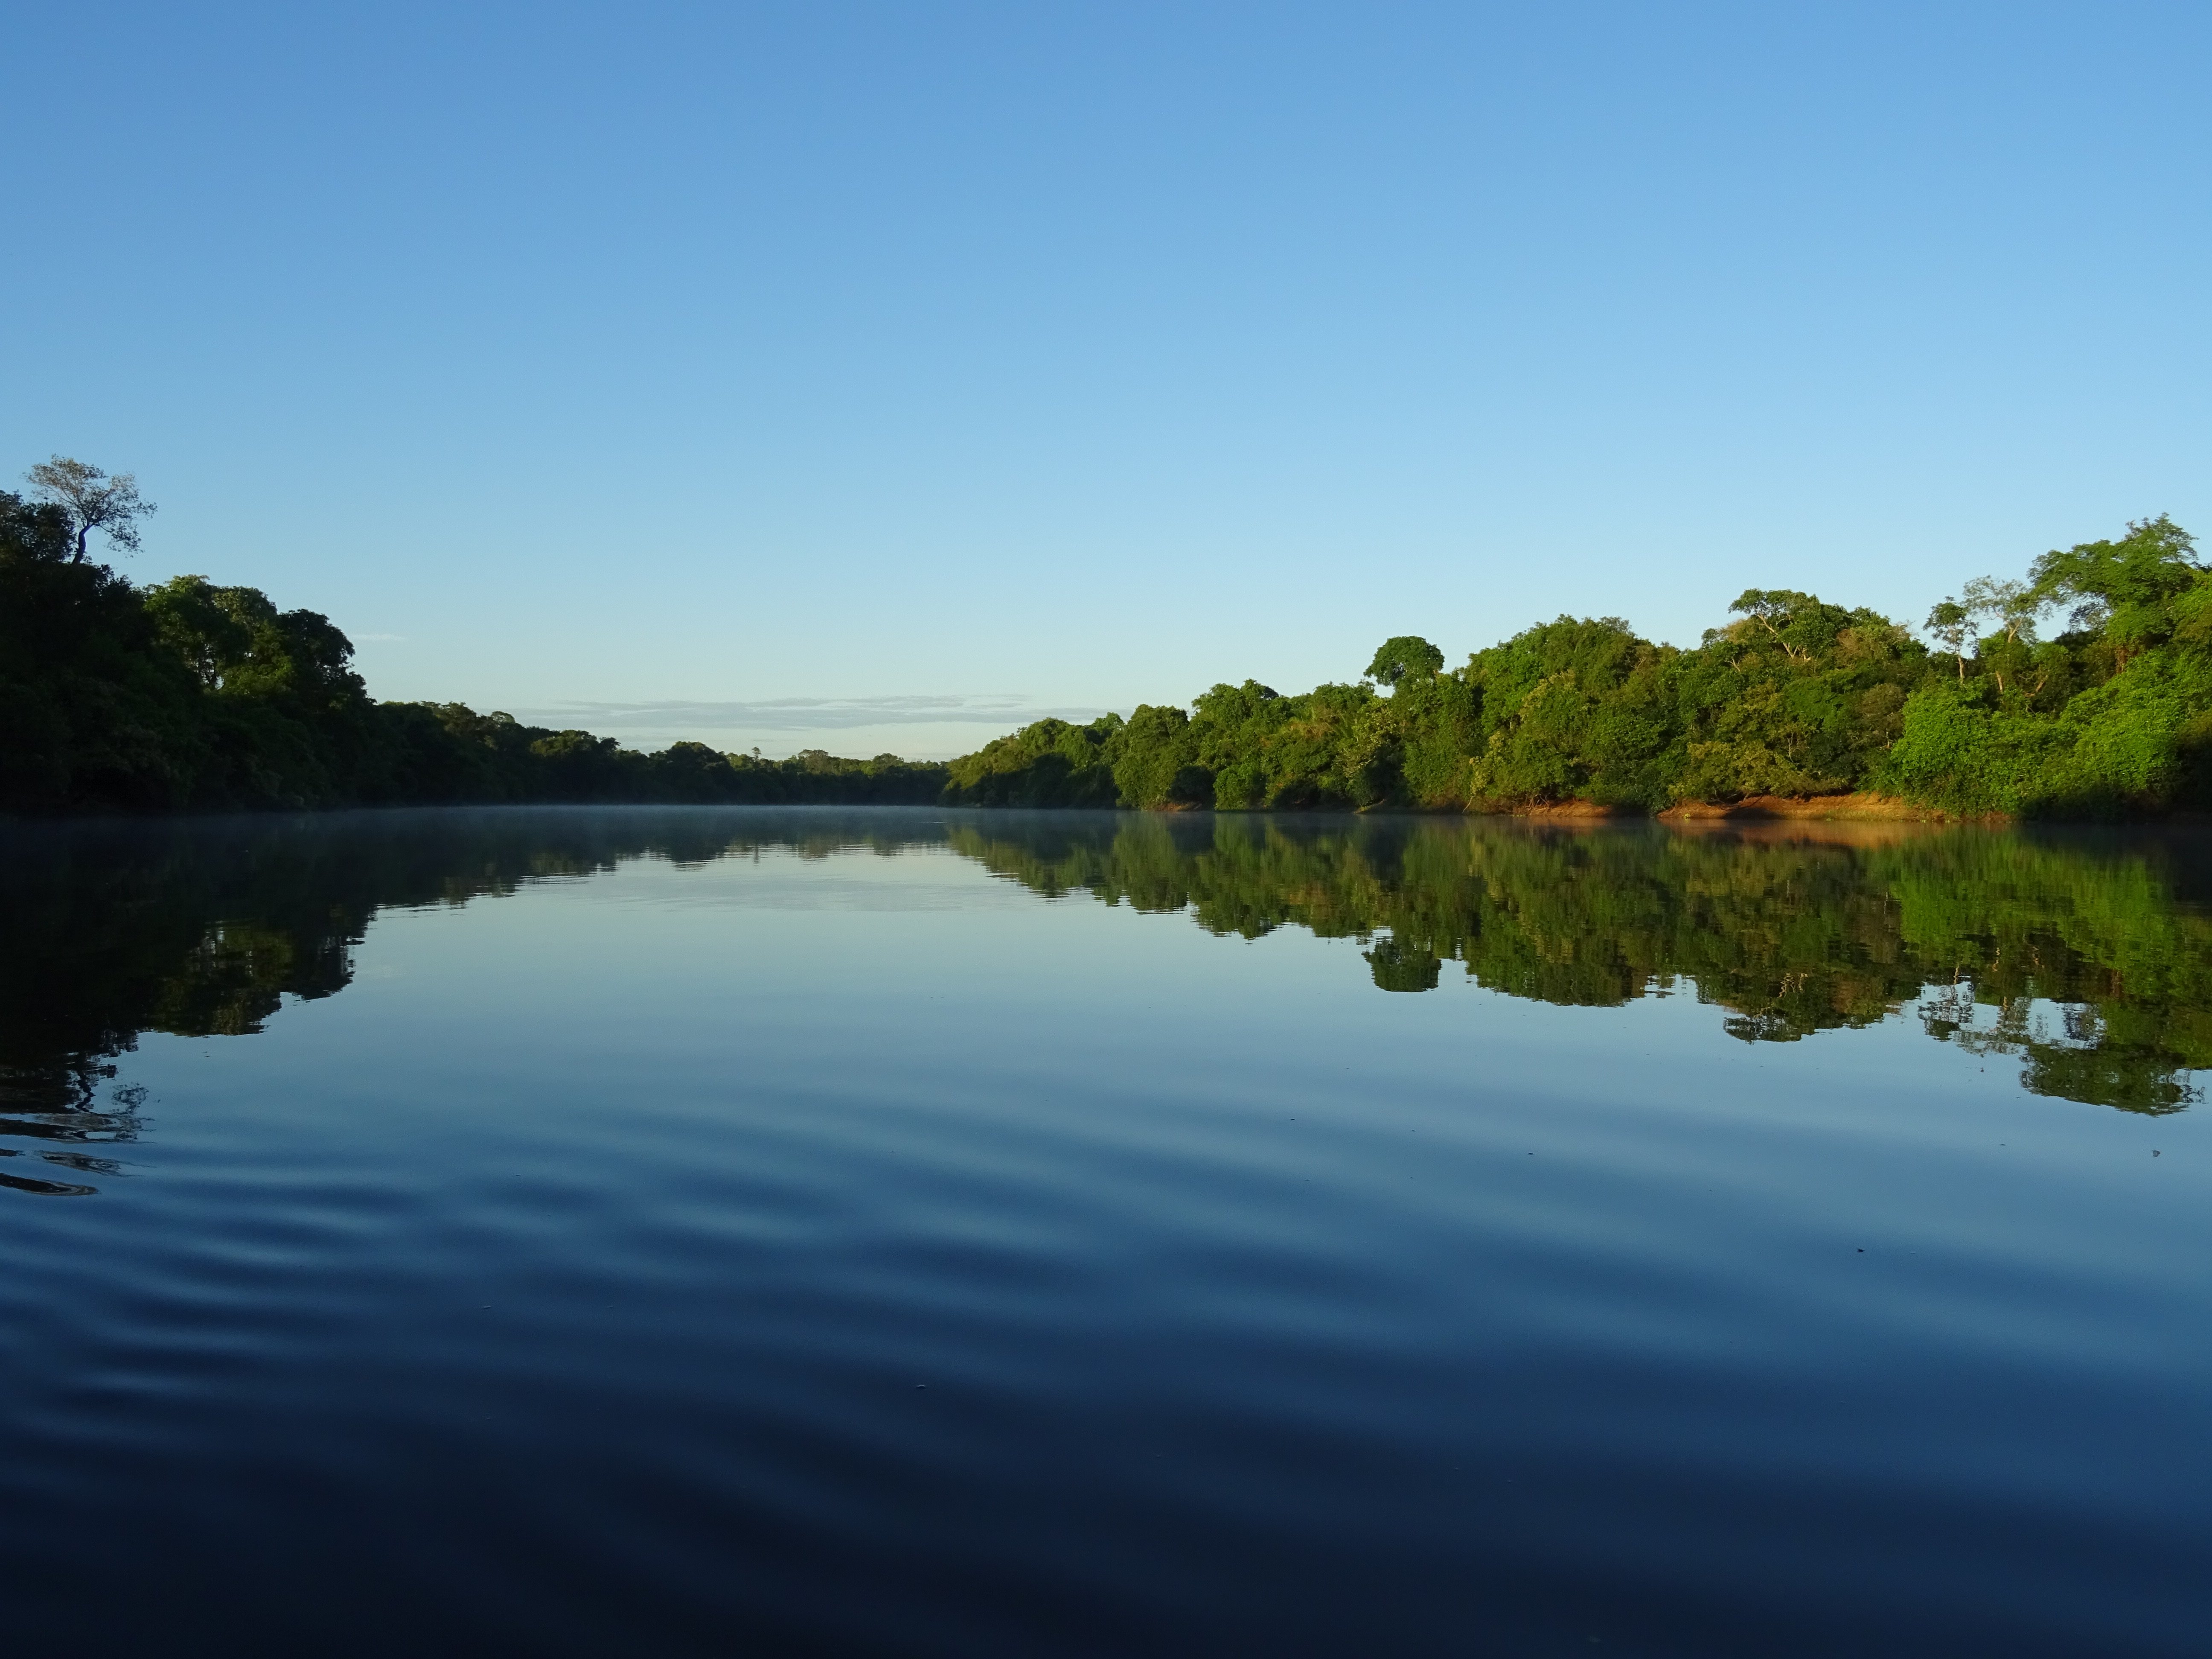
[[905, 1232]]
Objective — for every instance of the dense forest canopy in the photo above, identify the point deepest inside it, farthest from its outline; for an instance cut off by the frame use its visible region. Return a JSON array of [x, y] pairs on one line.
[[1794, 697], [191, 695]]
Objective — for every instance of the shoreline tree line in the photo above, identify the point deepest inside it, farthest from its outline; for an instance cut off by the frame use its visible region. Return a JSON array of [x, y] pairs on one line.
[[2108, 712], [188, 696], [2083, 688]]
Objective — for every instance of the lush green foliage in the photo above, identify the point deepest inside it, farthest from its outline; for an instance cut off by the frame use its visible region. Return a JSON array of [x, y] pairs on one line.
[[1794, 697], [2115, 713], [191, 695], [188, 695]]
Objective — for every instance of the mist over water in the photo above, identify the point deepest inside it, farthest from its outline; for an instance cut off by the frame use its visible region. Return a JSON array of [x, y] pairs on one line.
[[707, 1231]]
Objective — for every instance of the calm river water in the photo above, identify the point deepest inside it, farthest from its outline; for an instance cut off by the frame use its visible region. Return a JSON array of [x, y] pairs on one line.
[[674, 1232]]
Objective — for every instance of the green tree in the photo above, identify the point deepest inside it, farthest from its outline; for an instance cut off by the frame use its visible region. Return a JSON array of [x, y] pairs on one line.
[[1407, 656], [1952, 623], [2126, 587]]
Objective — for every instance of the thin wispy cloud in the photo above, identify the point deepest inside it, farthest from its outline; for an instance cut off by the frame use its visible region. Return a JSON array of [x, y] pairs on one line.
[[802, 713]]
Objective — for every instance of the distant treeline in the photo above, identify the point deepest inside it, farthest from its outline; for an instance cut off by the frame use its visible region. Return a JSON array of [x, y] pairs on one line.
[[1795, 698], [114, 696], [192, 695]]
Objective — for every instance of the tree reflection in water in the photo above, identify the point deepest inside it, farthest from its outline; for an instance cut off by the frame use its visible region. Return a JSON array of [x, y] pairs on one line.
[[2087, 955]]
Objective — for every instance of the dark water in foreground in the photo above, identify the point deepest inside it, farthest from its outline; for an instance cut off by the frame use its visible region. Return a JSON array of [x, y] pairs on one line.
[[756, 1231]]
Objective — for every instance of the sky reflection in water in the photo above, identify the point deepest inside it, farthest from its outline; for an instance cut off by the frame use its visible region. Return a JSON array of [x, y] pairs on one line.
[[817, 1230]]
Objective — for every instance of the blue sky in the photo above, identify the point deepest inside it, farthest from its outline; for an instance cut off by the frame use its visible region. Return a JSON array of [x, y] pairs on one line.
[[873, 376]]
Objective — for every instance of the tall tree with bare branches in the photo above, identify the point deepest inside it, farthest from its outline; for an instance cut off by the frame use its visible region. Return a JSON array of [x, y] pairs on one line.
[[93, 499]]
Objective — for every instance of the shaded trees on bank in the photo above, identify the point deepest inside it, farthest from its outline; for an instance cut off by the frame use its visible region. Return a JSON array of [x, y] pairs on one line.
[[192, 695]]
